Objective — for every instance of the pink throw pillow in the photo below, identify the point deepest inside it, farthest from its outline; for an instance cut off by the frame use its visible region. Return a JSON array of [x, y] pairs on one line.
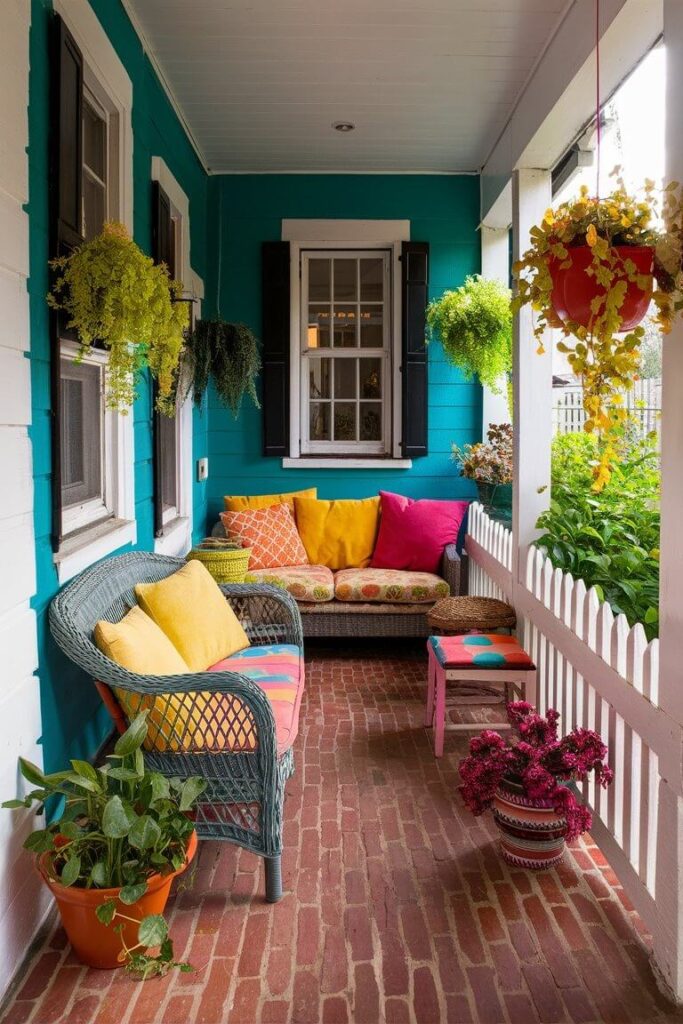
[[413, 534]]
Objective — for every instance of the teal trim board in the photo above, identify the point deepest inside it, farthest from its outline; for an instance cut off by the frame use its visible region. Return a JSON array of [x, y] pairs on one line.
[[74, 720], [444, 211]]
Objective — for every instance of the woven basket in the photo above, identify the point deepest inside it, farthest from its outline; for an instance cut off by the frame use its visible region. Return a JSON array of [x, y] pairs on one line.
[[226, 566], [455, 614]]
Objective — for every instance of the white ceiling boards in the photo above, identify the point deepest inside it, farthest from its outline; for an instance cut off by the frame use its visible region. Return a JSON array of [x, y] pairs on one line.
[[429, 85]]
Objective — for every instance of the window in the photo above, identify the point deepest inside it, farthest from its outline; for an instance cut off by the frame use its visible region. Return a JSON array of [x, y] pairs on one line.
[[168, 427], [346, 352]]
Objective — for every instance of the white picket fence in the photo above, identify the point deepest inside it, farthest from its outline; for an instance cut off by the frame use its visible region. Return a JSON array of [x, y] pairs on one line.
[[644, 403], [599, 673]]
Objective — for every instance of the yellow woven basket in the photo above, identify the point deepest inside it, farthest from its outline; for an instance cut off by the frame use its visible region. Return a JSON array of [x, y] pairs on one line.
[[228, 566]]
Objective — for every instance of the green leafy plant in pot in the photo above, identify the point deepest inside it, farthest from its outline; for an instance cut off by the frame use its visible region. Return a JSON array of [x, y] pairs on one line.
[[124, 834], [489, 465], [229, 355]]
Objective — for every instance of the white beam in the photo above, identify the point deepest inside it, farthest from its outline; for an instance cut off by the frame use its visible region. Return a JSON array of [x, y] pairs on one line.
[[495, 265], [532, 377]]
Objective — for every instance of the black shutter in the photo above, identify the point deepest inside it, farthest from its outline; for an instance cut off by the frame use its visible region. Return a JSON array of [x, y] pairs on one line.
[[65, 163], [275, 266], [162, 252], [414, 282]]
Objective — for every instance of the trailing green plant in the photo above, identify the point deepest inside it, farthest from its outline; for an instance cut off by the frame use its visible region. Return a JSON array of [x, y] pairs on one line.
[[608, 539], [487, 463], [120, 825], [113, 293], [474, 323], [229, 355]]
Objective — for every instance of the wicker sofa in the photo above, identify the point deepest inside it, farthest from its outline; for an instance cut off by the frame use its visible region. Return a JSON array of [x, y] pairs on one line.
[[235, 743], [340, 618]]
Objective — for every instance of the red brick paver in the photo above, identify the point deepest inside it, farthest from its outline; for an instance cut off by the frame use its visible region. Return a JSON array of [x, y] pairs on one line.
[[397, 907]]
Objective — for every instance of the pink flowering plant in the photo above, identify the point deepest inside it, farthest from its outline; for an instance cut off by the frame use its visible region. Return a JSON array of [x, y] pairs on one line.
[[537, 759]]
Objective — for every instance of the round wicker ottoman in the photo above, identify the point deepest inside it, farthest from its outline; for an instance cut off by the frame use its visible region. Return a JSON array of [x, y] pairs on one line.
[[466, 614]]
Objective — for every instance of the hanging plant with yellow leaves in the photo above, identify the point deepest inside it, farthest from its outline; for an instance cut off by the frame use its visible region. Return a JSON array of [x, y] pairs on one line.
[[114, 294], [593, 269]]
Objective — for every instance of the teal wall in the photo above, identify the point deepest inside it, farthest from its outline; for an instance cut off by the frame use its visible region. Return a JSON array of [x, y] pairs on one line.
[[74, 721], [444, 211]]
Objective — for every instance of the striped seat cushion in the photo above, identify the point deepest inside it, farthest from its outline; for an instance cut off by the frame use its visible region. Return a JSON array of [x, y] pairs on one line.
[[480, 650]]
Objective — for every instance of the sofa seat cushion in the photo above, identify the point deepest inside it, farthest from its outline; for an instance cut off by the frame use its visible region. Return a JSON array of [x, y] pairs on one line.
[[391, 586], [304, 582]]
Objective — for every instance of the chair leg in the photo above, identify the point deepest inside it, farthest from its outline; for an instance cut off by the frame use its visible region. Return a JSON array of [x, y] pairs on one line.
[[531, 688], [431, 678], [273, 879], [440, 712]]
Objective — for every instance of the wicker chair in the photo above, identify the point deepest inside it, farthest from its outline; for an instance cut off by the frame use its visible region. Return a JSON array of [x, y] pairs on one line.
[[243, 801]]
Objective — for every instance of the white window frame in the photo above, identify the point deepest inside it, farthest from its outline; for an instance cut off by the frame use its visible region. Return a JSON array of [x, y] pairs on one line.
[[108, 81], [177, 522], [351, 235]]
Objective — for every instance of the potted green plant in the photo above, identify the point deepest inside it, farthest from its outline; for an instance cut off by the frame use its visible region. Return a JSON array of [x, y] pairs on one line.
[[229, 355], [115, 295], [591, 271], [489, 465], [123, 835], [474, 323]]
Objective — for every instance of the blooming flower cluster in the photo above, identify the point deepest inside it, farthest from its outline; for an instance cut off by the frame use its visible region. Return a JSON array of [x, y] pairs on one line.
[[537, 759], [490, 463]]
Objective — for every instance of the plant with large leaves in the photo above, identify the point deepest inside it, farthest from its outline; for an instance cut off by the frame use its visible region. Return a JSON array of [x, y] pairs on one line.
[[124, 832]]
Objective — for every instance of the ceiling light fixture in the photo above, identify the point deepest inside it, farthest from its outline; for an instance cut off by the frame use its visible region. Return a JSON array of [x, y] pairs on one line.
[[343, 126]]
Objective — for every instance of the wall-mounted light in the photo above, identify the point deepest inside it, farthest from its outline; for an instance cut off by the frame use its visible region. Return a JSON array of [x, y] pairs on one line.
[[343, 126]]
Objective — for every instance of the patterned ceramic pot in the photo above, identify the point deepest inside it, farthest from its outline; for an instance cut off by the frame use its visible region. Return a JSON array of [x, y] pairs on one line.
[[531, 831]]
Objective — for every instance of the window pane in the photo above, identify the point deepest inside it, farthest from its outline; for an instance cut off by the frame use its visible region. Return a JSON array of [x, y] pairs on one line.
[[319, 421], [319, 378], [345, 378], [94, 207], [372, 326], [371, 421], [94, 141], [318, 335], [345, 327], [319, 280], [80, 432], [372, 280], [168, 438], [345, 283], [345, 421], [370, 378]]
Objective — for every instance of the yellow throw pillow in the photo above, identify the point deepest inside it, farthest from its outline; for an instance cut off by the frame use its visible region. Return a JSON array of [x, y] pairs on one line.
[[339, 534], [137, 643], [191, 610], [241, 502]]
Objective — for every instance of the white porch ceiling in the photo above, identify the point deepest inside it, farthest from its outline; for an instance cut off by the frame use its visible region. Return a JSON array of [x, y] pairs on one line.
[[429, 84]]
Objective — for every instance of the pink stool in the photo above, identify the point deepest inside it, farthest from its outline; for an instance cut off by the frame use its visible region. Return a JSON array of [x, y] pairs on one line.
[[497, 661]]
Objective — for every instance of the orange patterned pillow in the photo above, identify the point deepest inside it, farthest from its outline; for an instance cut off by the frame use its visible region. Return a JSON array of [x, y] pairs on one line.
[[270, 533]]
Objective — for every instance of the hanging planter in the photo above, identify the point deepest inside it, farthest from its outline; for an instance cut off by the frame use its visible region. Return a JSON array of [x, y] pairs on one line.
[[115, 295], [228, 354], [593, 270]]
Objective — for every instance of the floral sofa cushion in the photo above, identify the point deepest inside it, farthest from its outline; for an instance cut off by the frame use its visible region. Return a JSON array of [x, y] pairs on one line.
[[392, 586], [303, 582]]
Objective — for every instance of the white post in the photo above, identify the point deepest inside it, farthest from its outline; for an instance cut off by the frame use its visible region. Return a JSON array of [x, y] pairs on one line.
[[668, 936], [495, 265], [532, 378]]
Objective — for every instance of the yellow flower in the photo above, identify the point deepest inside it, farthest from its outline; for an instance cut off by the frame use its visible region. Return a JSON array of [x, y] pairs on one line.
[[591, 235]]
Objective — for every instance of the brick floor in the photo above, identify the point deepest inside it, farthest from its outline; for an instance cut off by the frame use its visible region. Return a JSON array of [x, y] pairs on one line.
[[397, 906]]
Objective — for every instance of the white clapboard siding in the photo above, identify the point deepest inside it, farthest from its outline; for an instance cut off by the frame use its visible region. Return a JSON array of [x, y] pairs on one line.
[[600, 674]]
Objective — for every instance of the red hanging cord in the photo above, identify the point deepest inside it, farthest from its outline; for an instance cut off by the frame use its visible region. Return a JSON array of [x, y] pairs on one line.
[[597, 94]]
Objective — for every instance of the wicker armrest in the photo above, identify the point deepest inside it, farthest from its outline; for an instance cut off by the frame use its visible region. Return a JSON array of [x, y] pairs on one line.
[[450, 569], [269, 614]]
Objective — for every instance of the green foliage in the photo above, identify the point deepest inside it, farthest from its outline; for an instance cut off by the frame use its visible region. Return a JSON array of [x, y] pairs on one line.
[[229, 354], [121, 824], [474, 323], [114, 294], [609, 539]]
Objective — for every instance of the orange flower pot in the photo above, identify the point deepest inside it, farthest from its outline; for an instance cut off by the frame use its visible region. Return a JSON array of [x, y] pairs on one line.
[[573, 289], [94, 943]]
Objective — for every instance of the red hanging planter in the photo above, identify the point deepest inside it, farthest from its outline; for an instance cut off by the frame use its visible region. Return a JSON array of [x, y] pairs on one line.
[[574, 290]]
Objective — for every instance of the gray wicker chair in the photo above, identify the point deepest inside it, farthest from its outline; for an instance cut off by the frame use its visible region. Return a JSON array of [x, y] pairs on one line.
[[243, 802]]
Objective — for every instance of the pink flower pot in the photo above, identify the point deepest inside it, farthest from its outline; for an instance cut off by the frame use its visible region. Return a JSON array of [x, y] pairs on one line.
[[531, 831]]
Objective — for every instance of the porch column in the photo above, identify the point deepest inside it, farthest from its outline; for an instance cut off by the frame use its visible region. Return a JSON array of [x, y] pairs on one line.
[[532, 378], [668, 937], [495, 265]]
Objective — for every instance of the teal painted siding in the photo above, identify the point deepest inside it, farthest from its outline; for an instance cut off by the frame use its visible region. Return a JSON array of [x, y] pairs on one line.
[[74, 721], [444, 211]]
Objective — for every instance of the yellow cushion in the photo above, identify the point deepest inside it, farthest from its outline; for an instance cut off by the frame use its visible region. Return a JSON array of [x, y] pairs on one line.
[[191, 610], [240, 502], [338, 534], [137, 643]]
